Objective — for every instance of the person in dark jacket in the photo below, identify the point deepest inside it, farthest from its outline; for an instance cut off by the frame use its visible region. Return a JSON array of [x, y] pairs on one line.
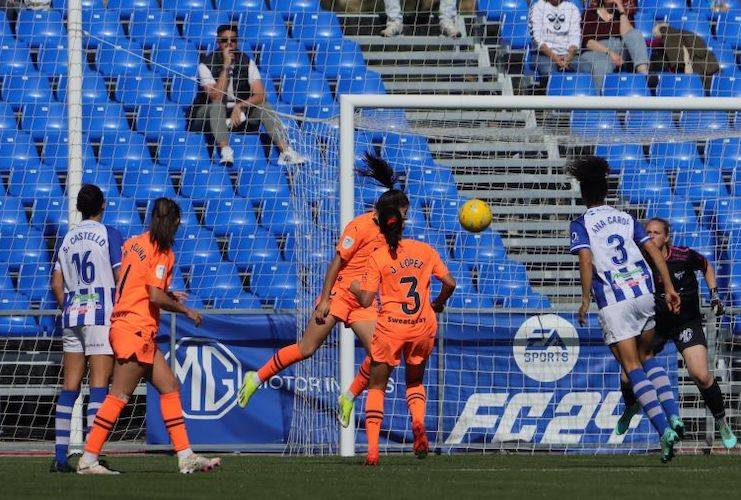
[[231, 94], [686, 52]]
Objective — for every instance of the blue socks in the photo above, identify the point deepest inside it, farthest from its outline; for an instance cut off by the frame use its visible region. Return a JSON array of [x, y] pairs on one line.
[[65, 402], [647, 397], [660, 380], [97, 395]]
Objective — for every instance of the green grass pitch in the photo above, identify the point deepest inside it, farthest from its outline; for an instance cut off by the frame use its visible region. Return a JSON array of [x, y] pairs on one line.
[[450, 477]]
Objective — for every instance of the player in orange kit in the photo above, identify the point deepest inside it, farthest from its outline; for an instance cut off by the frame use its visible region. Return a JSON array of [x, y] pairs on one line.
[[146, 272], [336, 304], [401, 272]]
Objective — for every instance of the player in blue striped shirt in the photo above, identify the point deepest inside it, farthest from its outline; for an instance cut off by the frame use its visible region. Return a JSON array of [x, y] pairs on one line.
[[613, 270], [84, 285]]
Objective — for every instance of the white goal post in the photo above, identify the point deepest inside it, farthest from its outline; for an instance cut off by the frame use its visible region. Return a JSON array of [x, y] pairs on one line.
[[350, 105]]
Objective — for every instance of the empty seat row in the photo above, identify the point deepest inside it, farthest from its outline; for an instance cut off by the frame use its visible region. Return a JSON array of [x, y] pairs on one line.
[[636, 85]]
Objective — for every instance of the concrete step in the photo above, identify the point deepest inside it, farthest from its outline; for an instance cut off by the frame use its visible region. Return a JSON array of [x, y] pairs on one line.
[[443, 57], [447, 72], [513, 179], [372, 42], [447, 87]]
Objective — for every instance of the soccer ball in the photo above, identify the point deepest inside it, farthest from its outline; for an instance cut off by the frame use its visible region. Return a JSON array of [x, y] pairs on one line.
[[475, 215]]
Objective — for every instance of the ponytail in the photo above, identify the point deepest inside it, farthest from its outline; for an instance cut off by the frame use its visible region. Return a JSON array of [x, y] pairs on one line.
[[379, 170], [392, 225]]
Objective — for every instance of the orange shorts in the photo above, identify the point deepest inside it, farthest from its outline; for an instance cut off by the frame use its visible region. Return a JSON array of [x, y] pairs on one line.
[[344, 306], [388, 350], [131, 344]]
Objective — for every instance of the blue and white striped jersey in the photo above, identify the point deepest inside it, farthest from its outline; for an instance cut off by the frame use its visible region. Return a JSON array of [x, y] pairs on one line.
[[619, 270], [87, 257]]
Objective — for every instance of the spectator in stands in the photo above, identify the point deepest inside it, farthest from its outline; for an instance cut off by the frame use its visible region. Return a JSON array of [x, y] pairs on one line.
[[556, 33], [607, 35], [686, 52], [395, 18], [231, 96]]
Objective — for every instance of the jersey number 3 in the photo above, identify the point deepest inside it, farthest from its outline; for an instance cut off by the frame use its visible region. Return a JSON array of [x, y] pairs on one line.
[[412, 294], [620, 248]]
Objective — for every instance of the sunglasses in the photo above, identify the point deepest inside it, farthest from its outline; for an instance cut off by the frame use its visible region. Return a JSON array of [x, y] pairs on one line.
[[228, 40]]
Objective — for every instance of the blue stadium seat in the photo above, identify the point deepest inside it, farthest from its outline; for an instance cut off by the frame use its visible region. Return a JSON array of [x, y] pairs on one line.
[[206, 181], [15, 59], [486, 246], [215, 280], [295, 6], [172, 57], [103, 118], [282, 56], [38, 119], [94, 88], [153, 121], [278, 216], [313, 251], [188, 217], [126, 59], [405, 149], [310, 27], [7, 119], [672, 156], [514, 31], [700, 241], [679, 85], [645, 186], [351, 81], [55, 151], [244, 300], [28, 88], [119, 149], [12, 217], [249, 152], [144, 184], [331, 56], [33, 280], [178, 150], [25, 248], [444, 214], [690, 21], [725, 214], [16, 325], [195, 245], [431, 181], [530, 301], [573, 84], [642, 121], [101, 26], [237, 7], [626, 84], [102, 176], [700, 182], [366, 194], [181, 8], [140, 90], [50, 216], [728, 28], [622, 156], [724, 54], [6, 284], [230, 215], [726, 85], [200, 26], [5, 31], [495, 9], [252, 245], [61, 5], [41, 27], [256, 27], [664, 8], [305, 89], [33, 182], [122, 214], [695, 121], [502, 280], [152, 26], [52, 61], [276, 282], [183, 90], [419, 232], [18, 151], [594, 123], [262, 182], [676, 210], [724, 153], [126, 8]]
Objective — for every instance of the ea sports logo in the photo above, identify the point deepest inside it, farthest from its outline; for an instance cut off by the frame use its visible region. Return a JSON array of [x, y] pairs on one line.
[[546, 347], [209, 375]]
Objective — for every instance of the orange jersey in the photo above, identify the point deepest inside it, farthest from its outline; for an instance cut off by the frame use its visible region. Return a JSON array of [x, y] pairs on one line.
[[141, 265], [403, 283], [359, 240]]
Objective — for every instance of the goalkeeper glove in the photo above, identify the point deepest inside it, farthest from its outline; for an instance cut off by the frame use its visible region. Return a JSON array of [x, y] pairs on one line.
[[715, 304]]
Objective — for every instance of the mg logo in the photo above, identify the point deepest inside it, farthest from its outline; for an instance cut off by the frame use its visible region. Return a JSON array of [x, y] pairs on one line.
[[546, 347], [209, 375]]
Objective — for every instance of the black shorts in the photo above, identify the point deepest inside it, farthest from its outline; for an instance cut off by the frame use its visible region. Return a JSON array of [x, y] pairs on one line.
[[684, 336]]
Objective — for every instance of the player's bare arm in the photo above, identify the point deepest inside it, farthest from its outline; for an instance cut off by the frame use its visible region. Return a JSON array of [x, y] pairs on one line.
[[161, 299], [585, 276], [671, 296], [448, 282]]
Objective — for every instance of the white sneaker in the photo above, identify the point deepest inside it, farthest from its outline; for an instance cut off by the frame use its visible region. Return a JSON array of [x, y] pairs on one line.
[[291, 157], [227, 156], [393, 28], [196, 463], [448, 28], [94, 469]]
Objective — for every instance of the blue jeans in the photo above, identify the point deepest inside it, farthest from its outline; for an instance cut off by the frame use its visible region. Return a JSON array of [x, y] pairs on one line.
[[599, 63], [544, 65]]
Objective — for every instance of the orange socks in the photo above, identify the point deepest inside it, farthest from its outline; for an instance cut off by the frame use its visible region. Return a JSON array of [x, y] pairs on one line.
[[103, 424], [172, 414], [417, 402], [280, 361], [360, 382], [373, 418]]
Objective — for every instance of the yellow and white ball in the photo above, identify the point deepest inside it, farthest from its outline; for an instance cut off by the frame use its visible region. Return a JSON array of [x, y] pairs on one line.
[[475, 215]]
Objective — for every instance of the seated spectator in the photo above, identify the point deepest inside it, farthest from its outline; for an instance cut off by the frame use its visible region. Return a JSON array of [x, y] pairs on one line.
[[608, 36], [232, 95], [686, 52], [395, 19], [556, 33]]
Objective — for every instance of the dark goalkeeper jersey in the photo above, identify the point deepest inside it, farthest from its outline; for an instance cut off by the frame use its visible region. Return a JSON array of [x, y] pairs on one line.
[[682, 263]]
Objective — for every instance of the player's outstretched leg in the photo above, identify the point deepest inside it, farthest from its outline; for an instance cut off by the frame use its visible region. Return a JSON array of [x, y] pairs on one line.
[[373, 421], [346, 400], [660, 380], [647, 397], [62, 423], [631, 405]]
